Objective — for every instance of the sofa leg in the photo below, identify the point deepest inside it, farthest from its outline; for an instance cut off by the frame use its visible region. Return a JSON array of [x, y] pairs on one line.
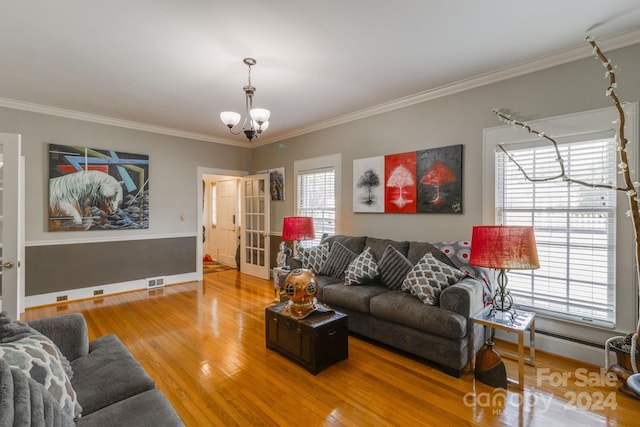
[[453, 372]]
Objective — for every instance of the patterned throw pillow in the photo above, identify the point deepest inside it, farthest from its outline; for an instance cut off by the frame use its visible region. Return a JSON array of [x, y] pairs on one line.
[[394, 267], [37, 357], [313, 258], [460, 252], [429, 277], [339, 259], [362, 270]]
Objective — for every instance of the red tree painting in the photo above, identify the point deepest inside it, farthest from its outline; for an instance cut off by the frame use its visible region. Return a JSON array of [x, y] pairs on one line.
[[437, 175], [400, 182], [440, 174]]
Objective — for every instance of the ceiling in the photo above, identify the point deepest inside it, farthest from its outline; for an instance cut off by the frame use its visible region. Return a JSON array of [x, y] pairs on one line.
[[172, 66]]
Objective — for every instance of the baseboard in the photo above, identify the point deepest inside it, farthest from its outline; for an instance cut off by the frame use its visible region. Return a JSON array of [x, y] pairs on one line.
[[101, 290], [565, 348]]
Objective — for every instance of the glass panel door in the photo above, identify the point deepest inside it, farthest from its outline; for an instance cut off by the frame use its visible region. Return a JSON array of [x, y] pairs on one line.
[[254, 239], [10, 229]]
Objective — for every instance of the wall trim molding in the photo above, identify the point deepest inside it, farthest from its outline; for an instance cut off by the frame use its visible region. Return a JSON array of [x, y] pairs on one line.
[[561, 57], [111, 121], [108, 289], [88, 240]]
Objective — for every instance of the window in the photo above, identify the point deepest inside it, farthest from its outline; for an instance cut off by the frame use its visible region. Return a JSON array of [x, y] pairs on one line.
[[584, 238], [317, 194], [574, 226]]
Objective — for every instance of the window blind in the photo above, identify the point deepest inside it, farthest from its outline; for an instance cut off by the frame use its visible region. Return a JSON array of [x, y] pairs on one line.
[[574, 227], [316, 198]]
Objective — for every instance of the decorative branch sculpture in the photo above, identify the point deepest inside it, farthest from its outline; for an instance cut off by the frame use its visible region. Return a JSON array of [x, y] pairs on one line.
[[629, 187]]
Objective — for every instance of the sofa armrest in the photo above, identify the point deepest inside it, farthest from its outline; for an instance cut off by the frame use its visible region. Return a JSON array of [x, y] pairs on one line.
[[69, 332], [465, 297]]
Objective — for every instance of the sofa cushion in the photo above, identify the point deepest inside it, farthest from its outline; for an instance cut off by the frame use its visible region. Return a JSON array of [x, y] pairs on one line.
[[323, 282], [378, 246], [362, 270], [429, 277], [313, 258], [353, 243], [338, 260], [418, 249], [400, 307], [149, 408], [108, 374], [352, 297], [394, 267]]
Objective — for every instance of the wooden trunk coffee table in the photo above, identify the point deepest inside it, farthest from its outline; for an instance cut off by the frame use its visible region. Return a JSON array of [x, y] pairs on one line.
[[314, 342]]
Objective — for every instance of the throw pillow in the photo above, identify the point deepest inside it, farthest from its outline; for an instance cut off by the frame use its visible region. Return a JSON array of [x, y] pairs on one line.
[[38, 358], [363, 269], [394, 267], [15, 330], [459, 252], [339, 259], [429, 277], [313, 258]]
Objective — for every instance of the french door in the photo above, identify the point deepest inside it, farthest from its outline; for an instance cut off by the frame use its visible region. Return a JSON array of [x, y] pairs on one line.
[[12, 227], [255, 226]]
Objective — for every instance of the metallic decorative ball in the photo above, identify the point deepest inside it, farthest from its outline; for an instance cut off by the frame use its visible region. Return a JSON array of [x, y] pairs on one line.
[[300, 287]]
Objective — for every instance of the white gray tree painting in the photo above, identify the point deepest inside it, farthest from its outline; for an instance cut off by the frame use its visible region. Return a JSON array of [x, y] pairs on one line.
[[368, 184], [92, 189]]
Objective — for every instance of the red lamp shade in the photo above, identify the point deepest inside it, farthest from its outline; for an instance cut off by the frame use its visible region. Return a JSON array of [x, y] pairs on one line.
[[504, 247], [298, 228]]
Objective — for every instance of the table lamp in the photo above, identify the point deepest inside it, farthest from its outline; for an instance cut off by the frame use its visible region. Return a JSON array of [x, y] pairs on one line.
[[296, 228], [504, 248]]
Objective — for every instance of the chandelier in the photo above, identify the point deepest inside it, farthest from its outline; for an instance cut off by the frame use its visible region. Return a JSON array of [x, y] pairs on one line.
[[256, 120]]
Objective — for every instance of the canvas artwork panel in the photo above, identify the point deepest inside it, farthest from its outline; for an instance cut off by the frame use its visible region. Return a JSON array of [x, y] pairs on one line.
[[95, 189], [400, 182], [368, 184], [276, 183], [439, 176]]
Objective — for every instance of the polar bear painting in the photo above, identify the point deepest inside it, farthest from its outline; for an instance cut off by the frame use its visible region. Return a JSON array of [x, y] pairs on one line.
[[71, 197]]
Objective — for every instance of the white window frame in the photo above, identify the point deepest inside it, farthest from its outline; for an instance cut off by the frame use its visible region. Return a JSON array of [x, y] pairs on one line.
[[575, 125], [332, 161]]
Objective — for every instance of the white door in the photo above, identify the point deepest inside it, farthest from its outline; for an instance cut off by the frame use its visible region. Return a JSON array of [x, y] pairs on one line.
[[254, 242], [227, 210], [12, 229]]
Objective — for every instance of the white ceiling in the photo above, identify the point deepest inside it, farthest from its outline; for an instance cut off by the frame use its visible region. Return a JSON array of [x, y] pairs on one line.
[[176, 64]]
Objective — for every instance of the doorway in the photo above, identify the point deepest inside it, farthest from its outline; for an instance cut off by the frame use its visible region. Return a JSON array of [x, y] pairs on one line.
[[220, 220]]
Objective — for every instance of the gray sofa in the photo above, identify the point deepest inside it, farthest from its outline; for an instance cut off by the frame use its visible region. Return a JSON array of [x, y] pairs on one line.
[[112, 388], [440, 333]]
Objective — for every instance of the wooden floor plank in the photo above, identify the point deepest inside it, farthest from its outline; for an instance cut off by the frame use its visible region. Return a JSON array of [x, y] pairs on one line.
[[204, 345]]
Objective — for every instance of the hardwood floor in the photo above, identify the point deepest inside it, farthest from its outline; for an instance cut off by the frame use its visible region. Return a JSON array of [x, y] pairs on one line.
[[204, 344]]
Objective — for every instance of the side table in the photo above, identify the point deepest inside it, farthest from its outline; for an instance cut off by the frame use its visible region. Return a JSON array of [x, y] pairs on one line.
[[277, 273], [517, 322]]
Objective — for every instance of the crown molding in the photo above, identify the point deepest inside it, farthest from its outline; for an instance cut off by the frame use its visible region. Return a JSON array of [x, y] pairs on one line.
[[561, 57], [110, 121]]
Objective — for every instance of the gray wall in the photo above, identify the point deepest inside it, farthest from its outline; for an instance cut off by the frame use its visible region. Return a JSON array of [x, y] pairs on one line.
[[173, 189], [456, 119]]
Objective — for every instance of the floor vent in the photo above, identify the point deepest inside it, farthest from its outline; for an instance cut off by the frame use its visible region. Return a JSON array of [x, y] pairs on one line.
[[155, 282]]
